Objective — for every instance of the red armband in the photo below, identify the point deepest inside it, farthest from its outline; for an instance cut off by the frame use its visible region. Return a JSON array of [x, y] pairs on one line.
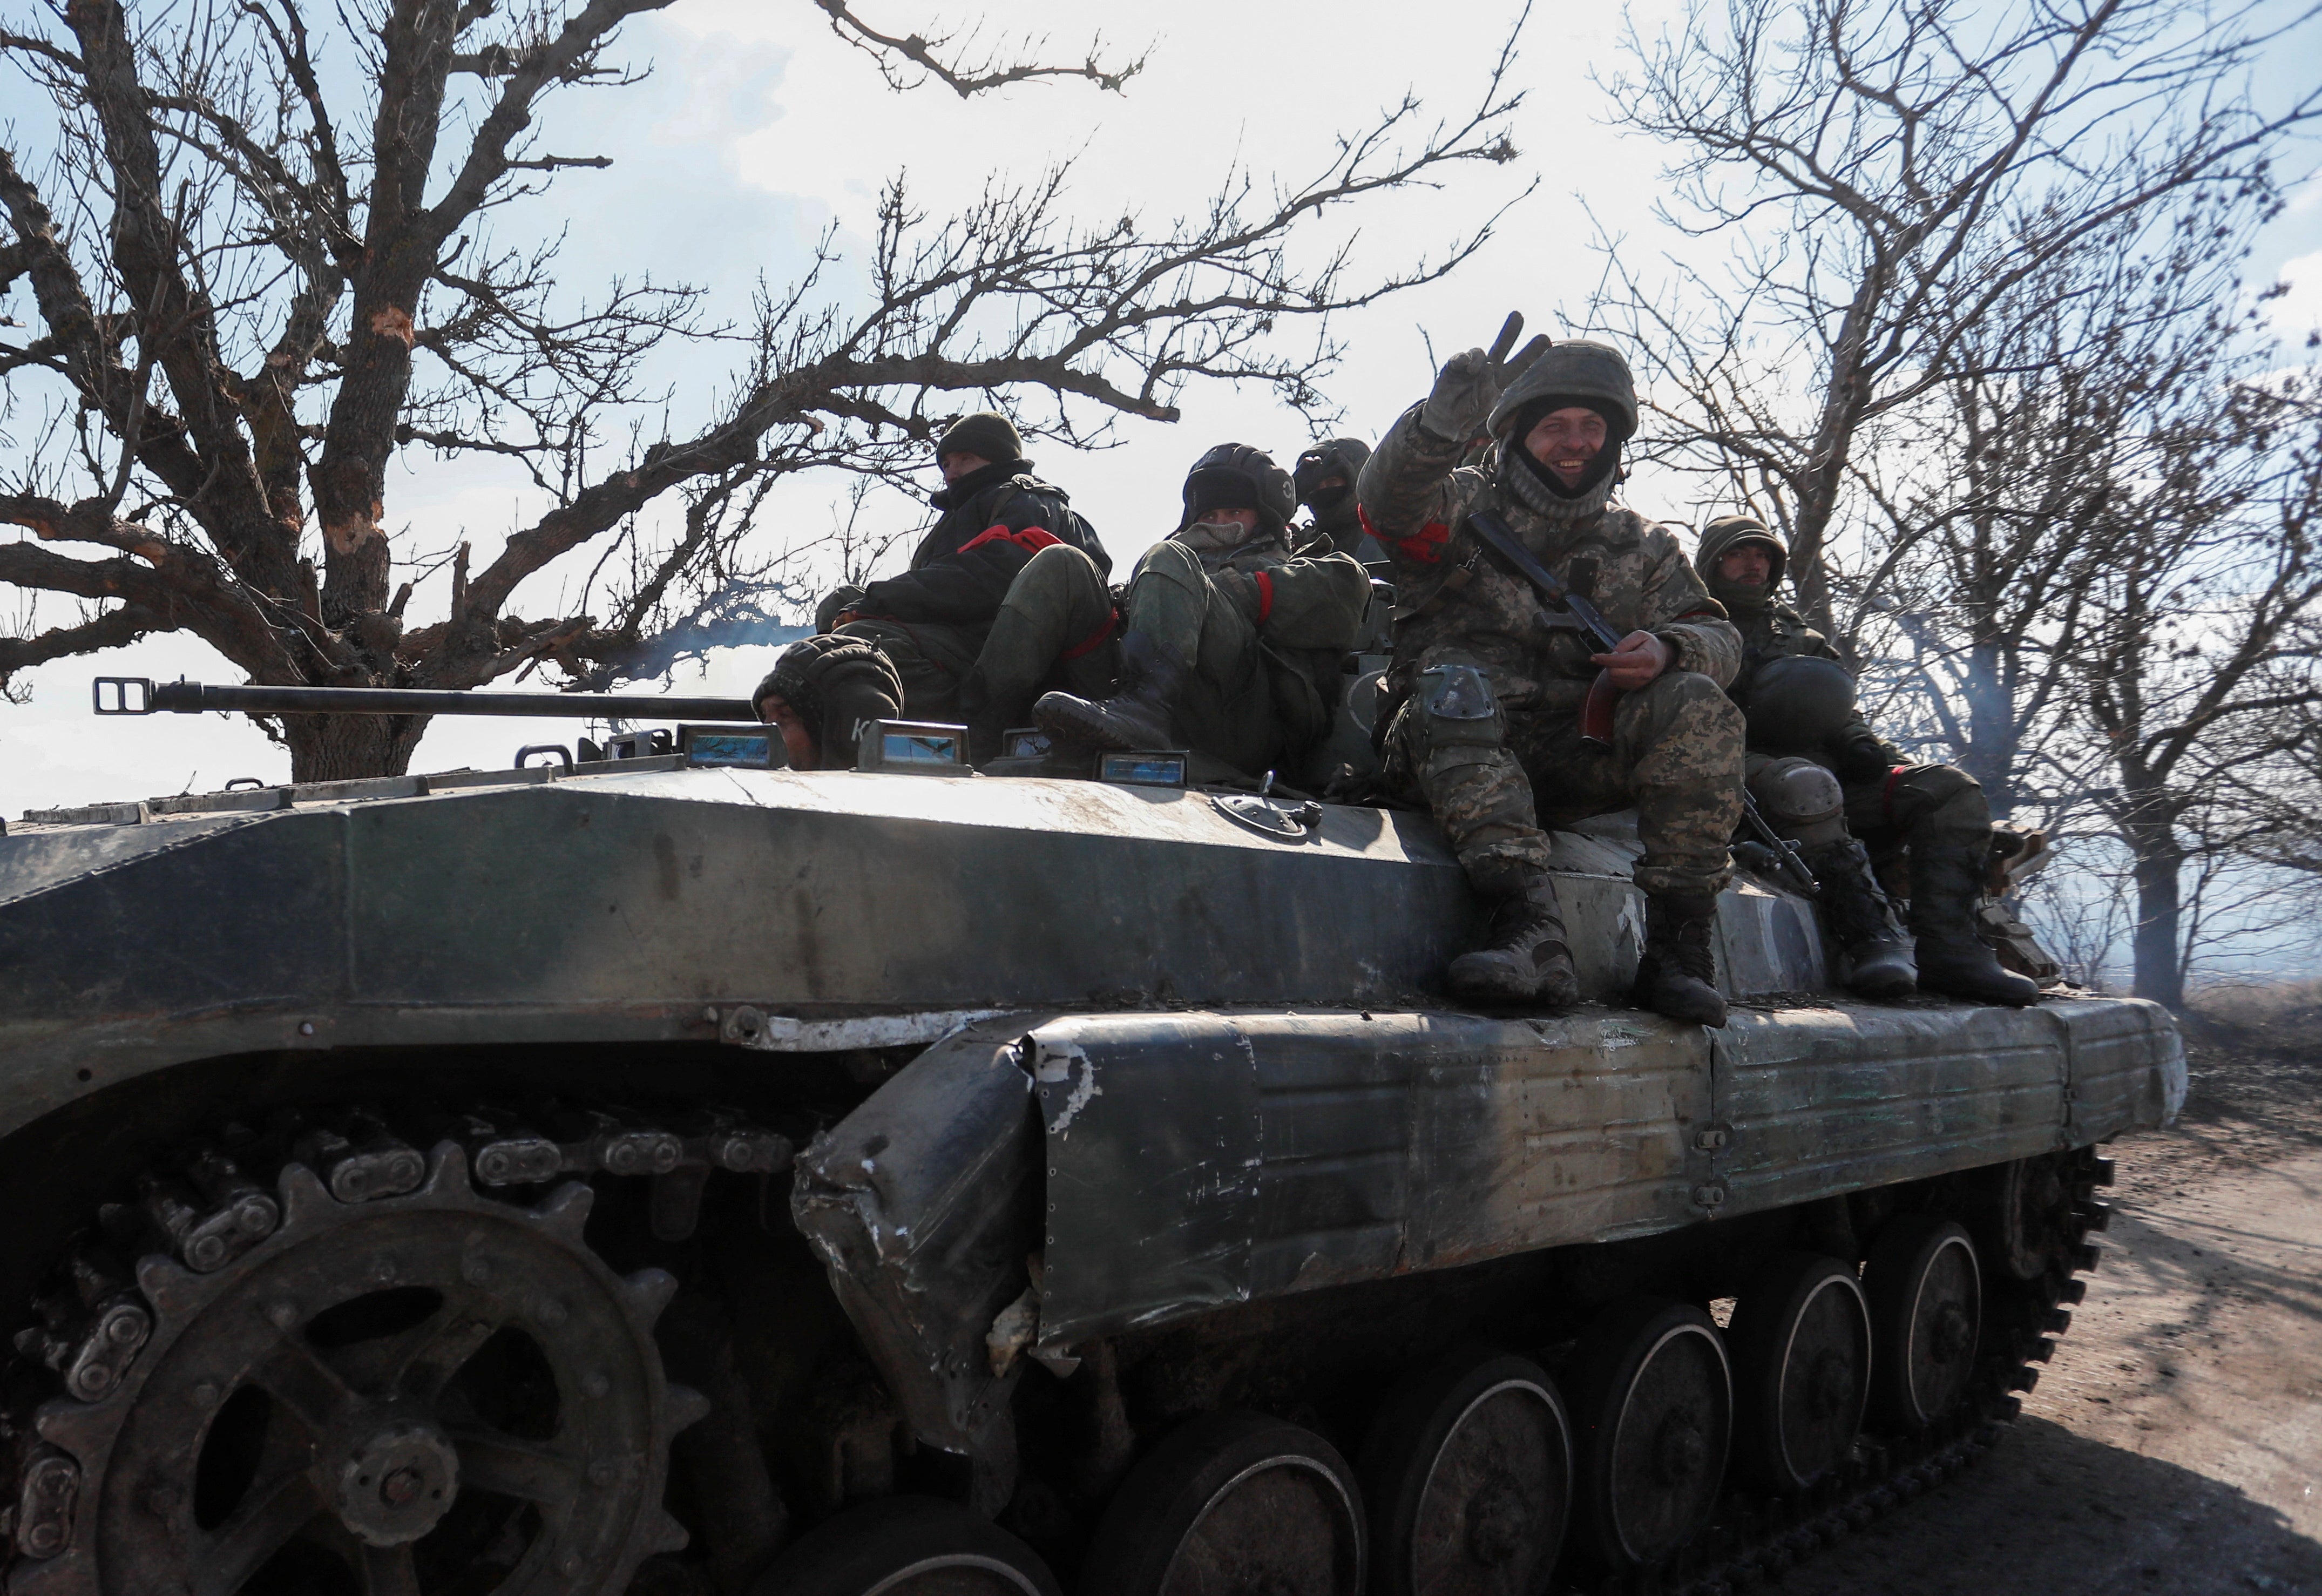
[[1424, 546], [1265, 596], [1033, 538]]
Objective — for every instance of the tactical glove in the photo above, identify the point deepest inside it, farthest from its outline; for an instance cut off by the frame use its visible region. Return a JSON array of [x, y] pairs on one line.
[[1471, 382], [835, 603], [1858, 758]]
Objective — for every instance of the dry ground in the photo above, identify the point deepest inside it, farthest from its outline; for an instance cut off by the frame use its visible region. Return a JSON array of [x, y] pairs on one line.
[[2174, 1445]]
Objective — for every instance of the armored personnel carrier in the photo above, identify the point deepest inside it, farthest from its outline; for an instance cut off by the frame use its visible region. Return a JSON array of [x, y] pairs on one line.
[[673, 1172]]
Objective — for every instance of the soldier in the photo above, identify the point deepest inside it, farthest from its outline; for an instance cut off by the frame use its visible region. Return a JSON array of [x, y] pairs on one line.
[[1492, 684], [1232, 643], [1325, 477], [1010, 555], [821, 693], [1801, 703]]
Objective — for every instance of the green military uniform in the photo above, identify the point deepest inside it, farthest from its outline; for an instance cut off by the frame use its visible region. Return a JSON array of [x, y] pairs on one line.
[[1931, 819], [1891, 800], [1263, 629], [1491, 685], [1232, 643], [1055, 628]]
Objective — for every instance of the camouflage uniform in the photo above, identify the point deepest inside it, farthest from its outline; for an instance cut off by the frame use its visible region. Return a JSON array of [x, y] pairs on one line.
[[1891, 803], [1676, 750], [1492, 689]]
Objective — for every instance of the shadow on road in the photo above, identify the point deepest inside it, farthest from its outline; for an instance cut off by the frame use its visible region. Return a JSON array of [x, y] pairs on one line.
[[2059, 1514]]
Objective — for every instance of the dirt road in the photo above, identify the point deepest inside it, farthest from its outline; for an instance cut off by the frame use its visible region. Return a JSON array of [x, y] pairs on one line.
[[2174, 1445]]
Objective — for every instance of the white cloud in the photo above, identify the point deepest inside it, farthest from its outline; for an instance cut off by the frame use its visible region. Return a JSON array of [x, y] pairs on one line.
[[2298, 312]]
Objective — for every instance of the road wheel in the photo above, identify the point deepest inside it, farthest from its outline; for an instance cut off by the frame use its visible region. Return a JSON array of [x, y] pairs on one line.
[[1926, 1314], [907, 1545], [1653, 1411], [1231, 1503], [1469, 1478], [1801, 1362], [2026, 1221]]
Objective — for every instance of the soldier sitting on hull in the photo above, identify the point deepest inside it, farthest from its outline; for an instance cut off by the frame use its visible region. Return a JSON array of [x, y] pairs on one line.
[[1492, 684], [1325, 477], [1820, 773], [1231, 645], [819, 695], [1004, 594]]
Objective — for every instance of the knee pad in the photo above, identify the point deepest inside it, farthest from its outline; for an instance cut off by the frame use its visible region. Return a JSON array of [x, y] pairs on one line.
[[1801, 799], [1459, 719]]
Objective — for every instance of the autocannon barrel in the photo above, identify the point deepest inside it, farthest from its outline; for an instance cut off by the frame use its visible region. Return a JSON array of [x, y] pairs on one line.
[[136, 695]]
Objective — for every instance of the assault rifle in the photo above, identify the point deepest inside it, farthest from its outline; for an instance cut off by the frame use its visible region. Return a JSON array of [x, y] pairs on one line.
[[1596, 718]]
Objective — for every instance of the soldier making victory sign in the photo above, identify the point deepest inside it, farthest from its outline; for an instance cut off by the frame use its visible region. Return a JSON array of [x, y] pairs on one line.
[[1819, 773], [1494, 688]]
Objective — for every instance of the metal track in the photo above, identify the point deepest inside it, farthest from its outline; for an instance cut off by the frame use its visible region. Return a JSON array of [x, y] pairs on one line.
[[341, 1202], [1757, 1539]]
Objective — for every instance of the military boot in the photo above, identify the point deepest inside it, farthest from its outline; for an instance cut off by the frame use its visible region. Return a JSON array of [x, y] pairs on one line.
[[1876, 956], [1677, 974], [1136, 716], [1527, 959], [1946, 884]]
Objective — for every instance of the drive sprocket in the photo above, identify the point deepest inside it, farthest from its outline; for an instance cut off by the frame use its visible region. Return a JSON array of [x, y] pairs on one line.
[[418, 1394]]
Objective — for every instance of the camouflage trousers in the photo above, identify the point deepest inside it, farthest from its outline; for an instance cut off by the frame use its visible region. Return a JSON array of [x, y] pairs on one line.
[[1494, 781], [1054, 629], [1226, 708]]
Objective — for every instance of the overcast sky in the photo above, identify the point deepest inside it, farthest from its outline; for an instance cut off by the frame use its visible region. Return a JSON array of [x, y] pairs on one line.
[[758, 128]]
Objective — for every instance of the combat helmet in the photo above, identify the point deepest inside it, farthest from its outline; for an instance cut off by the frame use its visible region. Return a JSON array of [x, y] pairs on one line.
[[1579, 372], [1238, 476], [1796, 703], [1719, 537]]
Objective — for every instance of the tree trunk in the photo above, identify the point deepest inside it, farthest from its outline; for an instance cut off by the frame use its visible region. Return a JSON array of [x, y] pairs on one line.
[[347, 748], [2160, 974], [2150, 830]]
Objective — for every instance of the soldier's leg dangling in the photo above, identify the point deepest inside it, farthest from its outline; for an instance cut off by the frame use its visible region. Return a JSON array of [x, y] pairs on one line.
[[1680, 737], [1056, 621], [1451, 741], [1167, 599], [1802, 801], [1940, 813]]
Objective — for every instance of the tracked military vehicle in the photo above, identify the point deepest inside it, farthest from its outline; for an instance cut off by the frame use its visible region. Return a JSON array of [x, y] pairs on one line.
[[679, 1173]]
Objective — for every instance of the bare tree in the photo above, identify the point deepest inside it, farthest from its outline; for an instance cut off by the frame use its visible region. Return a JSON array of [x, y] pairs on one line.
[[257, 287], [2199, 657], [1885, 172], [1995, 499]]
